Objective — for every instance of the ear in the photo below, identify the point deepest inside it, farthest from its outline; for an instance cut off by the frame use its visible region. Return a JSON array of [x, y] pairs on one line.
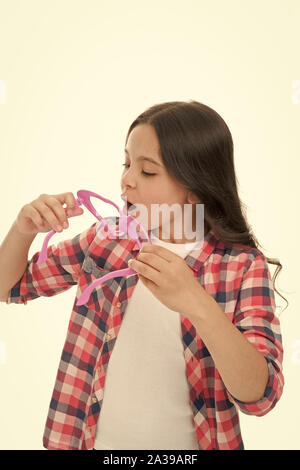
[[192, 198]]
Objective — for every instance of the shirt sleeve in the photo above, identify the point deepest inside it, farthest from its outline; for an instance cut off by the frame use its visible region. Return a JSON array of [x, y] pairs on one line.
[[58, 273], [255, 317]]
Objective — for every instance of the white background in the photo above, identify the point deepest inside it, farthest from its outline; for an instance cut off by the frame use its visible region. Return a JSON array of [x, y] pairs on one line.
[[73, 76]]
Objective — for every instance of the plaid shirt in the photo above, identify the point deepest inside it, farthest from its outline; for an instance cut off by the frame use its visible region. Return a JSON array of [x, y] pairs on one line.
[[237, 278]]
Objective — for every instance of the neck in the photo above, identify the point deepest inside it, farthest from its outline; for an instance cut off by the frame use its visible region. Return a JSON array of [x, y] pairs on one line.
[[188, 237]]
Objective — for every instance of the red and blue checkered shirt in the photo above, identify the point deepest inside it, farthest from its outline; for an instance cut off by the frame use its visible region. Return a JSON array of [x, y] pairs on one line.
[[238, 279]]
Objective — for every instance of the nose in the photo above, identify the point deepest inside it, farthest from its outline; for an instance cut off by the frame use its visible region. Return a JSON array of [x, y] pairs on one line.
[[128, 181]]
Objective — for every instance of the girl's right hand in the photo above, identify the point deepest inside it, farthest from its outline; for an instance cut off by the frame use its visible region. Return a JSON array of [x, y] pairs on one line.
[[47, 213]]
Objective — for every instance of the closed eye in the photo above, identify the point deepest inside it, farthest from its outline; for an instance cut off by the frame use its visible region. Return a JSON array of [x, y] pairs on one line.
[[143, 172]]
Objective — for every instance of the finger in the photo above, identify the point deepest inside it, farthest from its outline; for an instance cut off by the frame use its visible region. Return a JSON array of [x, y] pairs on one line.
[[74, 212], [160, 251], [150, 284], [46, 212], [67, 198], [58, 210], [145, 270], [33, 214], [153, 260]]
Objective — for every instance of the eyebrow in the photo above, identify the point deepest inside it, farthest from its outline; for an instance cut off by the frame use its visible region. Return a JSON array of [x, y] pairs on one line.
[[142, 157]]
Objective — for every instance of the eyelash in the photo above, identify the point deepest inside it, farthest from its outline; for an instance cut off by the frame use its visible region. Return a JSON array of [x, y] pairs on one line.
[[144, 173]]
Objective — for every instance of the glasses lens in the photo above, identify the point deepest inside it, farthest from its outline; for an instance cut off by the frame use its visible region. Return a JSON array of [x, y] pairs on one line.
[[103, 209]]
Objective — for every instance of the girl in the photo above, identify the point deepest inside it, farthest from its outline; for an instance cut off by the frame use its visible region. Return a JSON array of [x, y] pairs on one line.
[[200, 340]]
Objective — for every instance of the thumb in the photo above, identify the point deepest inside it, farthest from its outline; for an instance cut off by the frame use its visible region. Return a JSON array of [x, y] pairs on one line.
[[75, 211]]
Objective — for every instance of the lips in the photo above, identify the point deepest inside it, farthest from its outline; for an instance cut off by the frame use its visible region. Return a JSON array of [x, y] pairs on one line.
[[129, 205]]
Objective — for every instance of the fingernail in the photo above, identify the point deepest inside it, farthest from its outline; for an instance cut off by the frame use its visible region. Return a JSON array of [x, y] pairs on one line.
[[59, 228], [65, 225]]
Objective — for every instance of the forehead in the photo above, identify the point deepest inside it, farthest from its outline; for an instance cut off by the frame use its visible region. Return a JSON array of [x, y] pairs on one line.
[[145, 158], [143, 140]]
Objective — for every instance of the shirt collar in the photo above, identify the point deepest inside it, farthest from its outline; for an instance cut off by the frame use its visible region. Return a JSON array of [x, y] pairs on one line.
[[197, 256]]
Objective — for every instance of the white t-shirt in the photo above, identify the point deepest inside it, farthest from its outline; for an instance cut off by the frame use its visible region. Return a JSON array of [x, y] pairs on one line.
[[147, 362]]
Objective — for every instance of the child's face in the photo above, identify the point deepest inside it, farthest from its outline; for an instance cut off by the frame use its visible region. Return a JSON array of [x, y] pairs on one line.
[[148, 190]]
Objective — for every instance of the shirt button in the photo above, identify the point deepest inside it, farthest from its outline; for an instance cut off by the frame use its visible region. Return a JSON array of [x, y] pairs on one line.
[[99, 368], [94, 399], [119, 304], [107, 337], [89, 428]]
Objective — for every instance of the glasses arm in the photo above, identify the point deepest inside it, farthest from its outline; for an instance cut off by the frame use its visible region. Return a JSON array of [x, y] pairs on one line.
[[84, 297], [127, 223]]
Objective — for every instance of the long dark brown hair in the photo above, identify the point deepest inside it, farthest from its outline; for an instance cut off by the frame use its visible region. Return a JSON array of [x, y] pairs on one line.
[[196, 148]]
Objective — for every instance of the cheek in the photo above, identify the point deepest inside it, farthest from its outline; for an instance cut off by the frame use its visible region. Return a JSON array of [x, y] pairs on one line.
[[146, 216]]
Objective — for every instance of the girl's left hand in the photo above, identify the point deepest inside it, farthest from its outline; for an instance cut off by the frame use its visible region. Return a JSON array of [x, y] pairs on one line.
[[170, 279]]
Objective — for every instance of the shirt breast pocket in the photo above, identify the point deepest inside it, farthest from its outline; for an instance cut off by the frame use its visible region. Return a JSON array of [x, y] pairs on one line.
[[92, 271]]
